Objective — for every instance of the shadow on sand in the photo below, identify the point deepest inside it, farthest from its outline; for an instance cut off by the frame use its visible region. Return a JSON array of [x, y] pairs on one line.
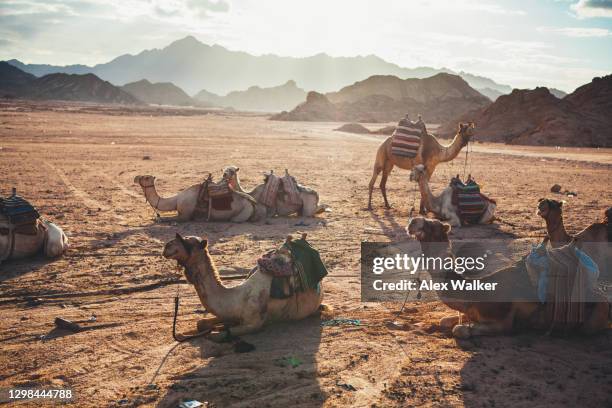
[[281, 371]]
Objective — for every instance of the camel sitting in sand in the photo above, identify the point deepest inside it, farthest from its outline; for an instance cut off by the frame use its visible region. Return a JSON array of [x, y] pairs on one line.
[[489, 312], [185, 203], [246, 307], [594, 239], [430, 154], [45, 236], [442, 206], [309, 197]]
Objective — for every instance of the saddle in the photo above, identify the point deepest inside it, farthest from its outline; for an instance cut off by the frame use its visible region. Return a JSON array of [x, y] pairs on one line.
[[286, 186], [218, 196], [17, 216], [470, 202], [566, 279], [406, 137], [294, 267]]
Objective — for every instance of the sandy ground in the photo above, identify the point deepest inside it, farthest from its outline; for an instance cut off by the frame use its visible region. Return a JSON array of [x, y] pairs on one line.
[[77, 165]]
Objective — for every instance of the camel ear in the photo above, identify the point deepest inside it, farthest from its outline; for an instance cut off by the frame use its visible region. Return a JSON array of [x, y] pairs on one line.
[[204, 243], [180, 239], [237, 169]]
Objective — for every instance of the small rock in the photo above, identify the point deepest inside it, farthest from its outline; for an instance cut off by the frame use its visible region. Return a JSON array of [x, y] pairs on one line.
[[146, 157], [555, 188]]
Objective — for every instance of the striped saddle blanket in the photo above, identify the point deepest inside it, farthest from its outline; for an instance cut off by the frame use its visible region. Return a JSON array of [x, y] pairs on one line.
[[406, 138], [18, 210], [469, 200]]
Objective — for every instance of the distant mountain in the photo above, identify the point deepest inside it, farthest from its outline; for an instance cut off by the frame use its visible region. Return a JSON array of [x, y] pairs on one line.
[[13, 80], [557, 92], [161, 93], [384, 98], [193, 66], [67, 87], [273, 99], [492, 94], [537, 117]]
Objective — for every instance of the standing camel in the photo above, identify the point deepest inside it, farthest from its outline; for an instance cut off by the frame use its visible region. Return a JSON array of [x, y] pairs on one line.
[[498, 311], [430, 154]]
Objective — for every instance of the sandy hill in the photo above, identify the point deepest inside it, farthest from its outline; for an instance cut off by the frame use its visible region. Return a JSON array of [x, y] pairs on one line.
[[193, 65], [383, 98], [272, 99], [161, 93], [537, 117], [69, 87]]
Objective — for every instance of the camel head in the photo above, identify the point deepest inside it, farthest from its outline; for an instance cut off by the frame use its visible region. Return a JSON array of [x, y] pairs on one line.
[[184, 249], [230, 174], [417, 172], [144, 181], [428, 230], [550, 209], [466, 131]]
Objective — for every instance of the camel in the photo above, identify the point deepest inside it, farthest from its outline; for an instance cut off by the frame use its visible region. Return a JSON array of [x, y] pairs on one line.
[[245, 308], [594, 239], [488, 315], [310, 198], [46, 237], [185, 203], [430, 154], [442, 205]]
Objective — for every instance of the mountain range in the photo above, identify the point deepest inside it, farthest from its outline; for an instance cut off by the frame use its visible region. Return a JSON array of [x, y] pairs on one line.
[[195, 66], [15, 83], [384, 98], [537, 117]]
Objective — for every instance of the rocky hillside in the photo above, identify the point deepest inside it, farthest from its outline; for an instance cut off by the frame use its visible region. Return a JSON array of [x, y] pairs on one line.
[[68, 87], [13, 80], [161, 93], [273, 99], [537, 117], [384, 98]]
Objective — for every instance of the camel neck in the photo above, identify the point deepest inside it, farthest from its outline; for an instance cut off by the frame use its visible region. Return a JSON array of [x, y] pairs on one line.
[[449, 152], [157, 202], [207, 284], [426, 194], [556, 231]]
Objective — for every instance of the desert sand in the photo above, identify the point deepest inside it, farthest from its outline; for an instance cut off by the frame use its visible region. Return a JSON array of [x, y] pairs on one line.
[[77, 163]]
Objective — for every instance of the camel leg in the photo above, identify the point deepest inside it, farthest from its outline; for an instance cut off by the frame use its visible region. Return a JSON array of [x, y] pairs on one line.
[[377, 170], [244, 214], [449, 322], [598, 319], [207, 323], [383, 183], [235, 331]]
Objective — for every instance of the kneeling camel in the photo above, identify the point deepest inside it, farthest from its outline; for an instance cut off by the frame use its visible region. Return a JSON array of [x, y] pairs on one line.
[[490, 316], [246, 307]]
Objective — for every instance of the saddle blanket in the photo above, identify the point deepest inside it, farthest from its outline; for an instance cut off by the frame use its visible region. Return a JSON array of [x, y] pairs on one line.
[[219, 195], [18, 210], [291, 189], [406, 138], [469, 200], [270, 191]]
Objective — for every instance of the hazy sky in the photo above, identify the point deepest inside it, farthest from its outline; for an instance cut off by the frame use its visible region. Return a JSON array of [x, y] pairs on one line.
[[554, 43]]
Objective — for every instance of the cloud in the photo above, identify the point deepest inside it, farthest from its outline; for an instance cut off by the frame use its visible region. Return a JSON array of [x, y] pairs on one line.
[[593, 8], [579, 32], [202, 7]]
